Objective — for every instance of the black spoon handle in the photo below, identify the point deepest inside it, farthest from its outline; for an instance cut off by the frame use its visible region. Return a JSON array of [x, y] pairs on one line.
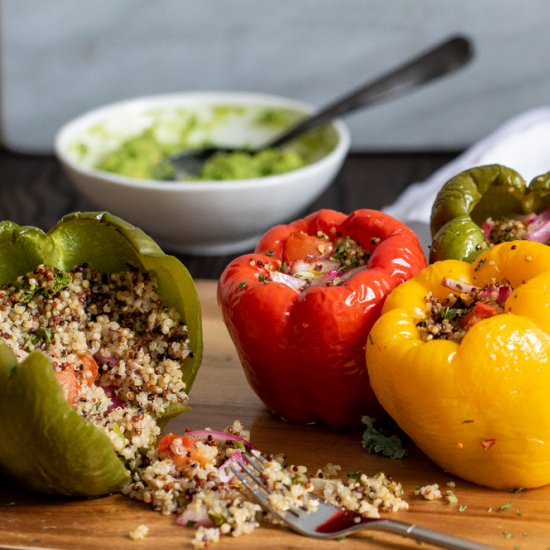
[[435, 62]]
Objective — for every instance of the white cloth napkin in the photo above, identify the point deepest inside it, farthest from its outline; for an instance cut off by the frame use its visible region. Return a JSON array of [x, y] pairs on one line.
[[522, 143]]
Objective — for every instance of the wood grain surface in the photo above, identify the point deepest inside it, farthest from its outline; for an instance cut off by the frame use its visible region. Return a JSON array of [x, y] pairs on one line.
[[220, 395]]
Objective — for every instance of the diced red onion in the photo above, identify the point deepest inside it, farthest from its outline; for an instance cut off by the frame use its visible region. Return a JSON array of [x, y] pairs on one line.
[[313, 268], [342, 275], [207, 434], [539, 228], [224, 472], [503, 294], [487, 291], [115, 401], [300, 266], [487, 227], [326, 266], [458, 286], [292, 282], [194, 517], [115, 404]]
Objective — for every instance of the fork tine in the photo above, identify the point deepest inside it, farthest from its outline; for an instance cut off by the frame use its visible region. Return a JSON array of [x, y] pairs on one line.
[[250, 480], [252, 472], [257, 462], [258, 491]]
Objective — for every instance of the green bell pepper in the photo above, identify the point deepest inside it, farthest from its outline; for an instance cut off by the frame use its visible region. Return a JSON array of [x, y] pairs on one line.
[[471, 197], [44, 444]]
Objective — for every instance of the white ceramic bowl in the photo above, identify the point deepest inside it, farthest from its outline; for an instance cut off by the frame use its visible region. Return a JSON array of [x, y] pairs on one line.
[[208, 217]]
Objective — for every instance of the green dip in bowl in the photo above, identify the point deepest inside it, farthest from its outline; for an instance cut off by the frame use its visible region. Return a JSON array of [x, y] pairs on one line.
[[169, 130]]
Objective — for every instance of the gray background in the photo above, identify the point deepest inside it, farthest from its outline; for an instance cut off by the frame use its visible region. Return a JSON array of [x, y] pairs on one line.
[[62, 57]]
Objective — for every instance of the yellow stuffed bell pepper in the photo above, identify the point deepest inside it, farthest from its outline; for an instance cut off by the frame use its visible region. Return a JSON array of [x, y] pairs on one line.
[[460, 358]]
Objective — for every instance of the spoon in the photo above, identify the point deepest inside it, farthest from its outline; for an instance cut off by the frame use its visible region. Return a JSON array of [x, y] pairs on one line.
[[437, 61]]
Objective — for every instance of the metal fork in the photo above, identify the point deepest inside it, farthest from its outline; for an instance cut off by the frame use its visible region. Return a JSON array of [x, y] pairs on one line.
[[330, 522]]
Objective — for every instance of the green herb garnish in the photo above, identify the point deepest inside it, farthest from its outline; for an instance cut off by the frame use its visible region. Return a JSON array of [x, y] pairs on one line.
[[28, 291], [451, 313], [383, 439]]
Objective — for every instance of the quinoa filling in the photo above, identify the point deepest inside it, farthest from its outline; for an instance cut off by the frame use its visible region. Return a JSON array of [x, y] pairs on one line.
[[116, 350], [320, 260], [532, 227], [451, 317]]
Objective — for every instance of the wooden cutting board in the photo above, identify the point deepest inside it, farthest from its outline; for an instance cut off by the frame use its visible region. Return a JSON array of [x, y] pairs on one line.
[[220, 395]]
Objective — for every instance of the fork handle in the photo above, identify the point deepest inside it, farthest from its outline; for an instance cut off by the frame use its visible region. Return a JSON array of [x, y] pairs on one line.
[[422, 534], [434, 63]]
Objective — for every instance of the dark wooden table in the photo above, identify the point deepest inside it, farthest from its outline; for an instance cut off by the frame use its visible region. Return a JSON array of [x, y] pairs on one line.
[[35, 191]]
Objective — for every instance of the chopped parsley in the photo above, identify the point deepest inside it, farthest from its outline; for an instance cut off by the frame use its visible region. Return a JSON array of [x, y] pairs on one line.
[[239, 445], [28, 287], [451, 313], [43, 334], [384, 439]]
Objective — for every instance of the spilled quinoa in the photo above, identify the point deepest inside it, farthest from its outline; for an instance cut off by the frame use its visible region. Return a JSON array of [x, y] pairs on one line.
[[189, 476], [139, 533], [433, 491]]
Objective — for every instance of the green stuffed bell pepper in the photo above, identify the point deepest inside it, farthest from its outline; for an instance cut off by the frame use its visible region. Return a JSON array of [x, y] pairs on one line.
[[484, 206], [102, 340]]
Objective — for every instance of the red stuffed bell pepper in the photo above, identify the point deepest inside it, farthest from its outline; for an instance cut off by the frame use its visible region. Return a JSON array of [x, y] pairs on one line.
[[300, 308]]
